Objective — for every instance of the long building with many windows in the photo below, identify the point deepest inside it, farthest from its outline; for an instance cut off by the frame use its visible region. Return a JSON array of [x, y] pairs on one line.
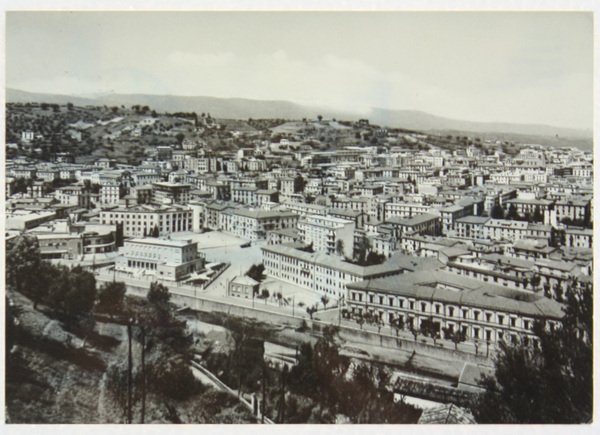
[[483, 312], [142, 220], [171, 260], [319, 272]]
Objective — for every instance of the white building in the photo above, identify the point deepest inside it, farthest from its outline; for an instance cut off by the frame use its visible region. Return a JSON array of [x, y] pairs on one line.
[[110, 194], [321, 273], [484, 312], [140, 221], [327, 234], [172, 260]]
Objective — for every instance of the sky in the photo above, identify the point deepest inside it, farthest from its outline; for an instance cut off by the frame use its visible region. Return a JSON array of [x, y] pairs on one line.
[[522, 67]]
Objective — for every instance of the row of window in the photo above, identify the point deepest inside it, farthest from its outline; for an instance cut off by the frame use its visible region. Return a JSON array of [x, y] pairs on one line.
[[438, 309]]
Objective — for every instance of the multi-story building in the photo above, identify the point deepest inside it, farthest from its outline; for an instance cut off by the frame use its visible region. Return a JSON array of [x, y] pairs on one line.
[[245, 195], [579, 238], [328, 234], [319, 272], [573, 209], [254, 224], [61, 239], [425, 223], [530, 207], [484, 312], [170, 193], [110, 194], [140, 221], [172, 260], [404, 209], [507, 230], [470, 227]]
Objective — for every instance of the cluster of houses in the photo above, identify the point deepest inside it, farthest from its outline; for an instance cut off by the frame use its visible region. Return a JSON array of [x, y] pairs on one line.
[[469, 240]]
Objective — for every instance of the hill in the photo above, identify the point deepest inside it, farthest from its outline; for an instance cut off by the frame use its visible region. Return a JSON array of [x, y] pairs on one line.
[[232, 108], [423, 121], [241, 108]]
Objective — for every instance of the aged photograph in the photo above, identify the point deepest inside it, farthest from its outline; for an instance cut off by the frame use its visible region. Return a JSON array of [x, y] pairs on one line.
[[298, 217]]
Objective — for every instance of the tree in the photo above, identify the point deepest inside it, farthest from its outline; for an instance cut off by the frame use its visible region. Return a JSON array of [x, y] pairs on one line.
[[23, 261], [319, 118], [456, 337], [81, 295], [158, 295], [512, 213], [497, 212], [398, 324], [172, 377], [256, 272], [324, 301], [111, 297], [339, 247], [360, 319], [329, 364], [428, 329], [374, 258], [311, 310], [551, 382], [414, 330]]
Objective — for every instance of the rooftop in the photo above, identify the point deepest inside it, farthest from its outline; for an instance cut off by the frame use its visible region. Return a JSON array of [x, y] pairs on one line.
[[434, 285]]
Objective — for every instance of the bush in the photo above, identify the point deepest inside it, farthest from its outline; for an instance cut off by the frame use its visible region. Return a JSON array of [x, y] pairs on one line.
[[173, 378]]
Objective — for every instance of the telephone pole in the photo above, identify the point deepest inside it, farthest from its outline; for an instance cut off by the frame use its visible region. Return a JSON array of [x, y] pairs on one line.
[[264, 395], [129, 374], [143, 339]]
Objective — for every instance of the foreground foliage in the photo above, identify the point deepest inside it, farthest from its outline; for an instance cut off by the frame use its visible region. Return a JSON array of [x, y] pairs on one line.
[[548, 383]]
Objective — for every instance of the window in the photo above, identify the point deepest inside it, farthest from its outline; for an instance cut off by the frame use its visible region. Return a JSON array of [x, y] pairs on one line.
[[465, 313], [412, 305], [423, 306], [437, 309], [513, 322], [500, 319], [476, 315], [451, 311]]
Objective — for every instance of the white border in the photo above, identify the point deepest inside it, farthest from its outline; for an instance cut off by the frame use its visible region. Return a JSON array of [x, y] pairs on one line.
[[291, 5]]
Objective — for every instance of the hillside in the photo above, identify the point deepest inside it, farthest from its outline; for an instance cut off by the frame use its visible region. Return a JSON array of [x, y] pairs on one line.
[[241, 108], [426, 122], [52, 377], [231, 108]]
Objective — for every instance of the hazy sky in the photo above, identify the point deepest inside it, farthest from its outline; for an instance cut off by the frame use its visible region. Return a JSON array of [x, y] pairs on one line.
[[526, 67]]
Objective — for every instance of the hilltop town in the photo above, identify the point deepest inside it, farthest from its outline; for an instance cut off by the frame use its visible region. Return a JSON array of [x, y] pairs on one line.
[[425, 251]]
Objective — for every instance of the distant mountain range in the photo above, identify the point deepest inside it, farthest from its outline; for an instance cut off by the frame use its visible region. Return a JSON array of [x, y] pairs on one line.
[[426, 122], [240, 108]]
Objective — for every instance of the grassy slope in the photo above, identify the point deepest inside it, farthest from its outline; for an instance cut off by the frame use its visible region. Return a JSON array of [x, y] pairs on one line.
[[49, 382]]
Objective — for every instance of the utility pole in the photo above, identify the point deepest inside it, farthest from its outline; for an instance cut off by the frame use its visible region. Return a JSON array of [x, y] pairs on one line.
[[129, 373], [282, 399], [143, 338], [264, 395]]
